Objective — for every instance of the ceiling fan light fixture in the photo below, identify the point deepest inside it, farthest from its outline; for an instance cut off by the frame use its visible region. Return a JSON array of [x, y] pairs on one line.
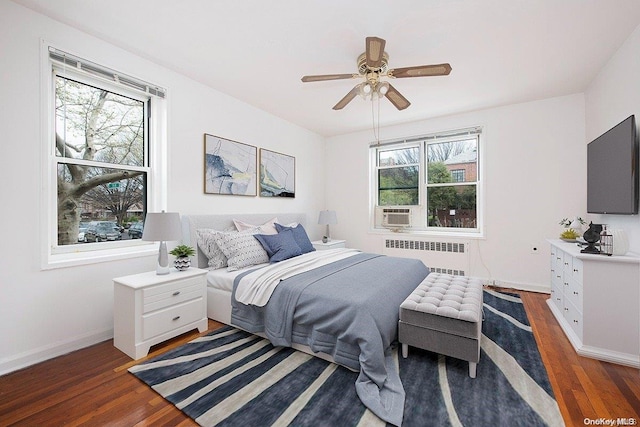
[[383, 88], [365, 90]]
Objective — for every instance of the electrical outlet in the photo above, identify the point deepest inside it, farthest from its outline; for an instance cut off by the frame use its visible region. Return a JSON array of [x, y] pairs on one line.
[[535, 249]]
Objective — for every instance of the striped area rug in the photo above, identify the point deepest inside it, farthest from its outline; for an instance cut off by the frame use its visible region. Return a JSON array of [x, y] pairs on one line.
[[233, 378]]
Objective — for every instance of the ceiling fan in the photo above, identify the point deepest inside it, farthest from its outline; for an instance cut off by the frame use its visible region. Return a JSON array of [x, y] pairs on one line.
[[373, 64]]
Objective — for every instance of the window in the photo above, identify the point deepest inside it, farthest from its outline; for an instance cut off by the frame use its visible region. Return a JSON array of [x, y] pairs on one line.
[[457, 175], [398, 176], [436, 176], [99, 150]]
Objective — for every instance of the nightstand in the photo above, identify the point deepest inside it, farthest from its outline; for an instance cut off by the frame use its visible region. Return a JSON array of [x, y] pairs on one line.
[[331, 244], [149, 308]]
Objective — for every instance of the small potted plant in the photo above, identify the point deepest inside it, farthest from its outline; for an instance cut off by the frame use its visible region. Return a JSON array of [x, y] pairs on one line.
[[182, 254]]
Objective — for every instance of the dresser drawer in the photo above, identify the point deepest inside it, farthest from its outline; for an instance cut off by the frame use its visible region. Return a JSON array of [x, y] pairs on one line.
[[567, 262], [167, 320], [577, 270], [557, 296], [573, 317], [168, 294], [573, 293]]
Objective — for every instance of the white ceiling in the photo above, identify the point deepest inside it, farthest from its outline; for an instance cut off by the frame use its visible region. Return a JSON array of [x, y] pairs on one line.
[[501, 51]]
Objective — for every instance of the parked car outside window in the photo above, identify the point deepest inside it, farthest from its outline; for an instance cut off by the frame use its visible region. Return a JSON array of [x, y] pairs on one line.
[[82, 228], [102, 231], [135, 230]]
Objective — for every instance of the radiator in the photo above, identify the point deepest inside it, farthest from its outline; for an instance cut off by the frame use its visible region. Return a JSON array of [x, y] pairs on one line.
[[439, 256]]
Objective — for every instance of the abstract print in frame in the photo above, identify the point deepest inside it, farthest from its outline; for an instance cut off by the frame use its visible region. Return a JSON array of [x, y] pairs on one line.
[[229, 167], [277, 174]]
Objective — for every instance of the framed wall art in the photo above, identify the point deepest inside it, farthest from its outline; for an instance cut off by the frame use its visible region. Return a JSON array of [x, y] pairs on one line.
[[229, 167], [277, 174]]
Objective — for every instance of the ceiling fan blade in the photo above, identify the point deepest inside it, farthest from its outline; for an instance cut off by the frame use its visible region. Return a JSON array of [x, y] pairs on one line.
[[347, 98], [420, 71], [323, 77], [374, 51], [396, 98]]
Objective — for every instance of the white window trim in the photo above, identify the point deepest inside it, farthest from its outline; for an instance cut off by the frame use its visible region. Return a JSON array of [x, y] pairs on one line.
[[449, 232], [47, 202]]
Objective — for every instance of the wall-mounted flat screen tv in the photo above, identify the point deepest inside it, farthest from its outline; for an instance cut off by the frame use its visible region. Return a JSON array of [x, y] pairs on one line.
[[612, 170]]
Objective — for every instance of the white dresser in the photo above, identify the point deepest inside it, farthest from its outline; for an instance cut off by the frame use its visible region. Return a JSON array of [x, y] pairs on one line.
[[149, 308], [596, 300]]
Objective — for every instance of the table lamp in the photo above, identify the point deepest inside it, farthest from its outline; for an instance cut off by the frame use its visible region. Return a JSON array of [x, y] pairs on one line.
[[326, 218], [162, 227]]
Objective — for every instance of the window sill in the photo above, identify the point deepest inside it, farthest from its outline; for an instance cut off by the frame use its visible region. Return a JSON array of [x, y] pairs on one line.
[[76, 258], [428, 233]]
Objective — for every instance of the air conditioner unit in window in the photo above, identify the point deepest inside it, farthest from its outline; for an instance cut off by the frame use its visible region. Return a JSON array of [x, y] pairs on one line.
[[396, 217]]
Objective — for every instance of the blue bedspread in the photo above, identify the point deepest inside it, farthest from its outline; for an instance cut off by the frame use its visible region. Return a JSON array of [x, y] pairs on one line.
[[347, 309]]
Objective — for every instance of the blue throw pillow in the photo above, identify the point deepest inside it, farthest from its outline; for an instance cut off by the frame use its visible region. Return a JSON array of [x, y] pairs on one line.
[[300, 235], [279, 246]]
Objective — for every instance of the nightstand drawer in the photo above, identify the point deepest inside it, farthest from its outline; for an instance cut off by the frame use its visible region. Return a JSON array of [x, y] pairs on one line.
[[161, 296], [171, 318]]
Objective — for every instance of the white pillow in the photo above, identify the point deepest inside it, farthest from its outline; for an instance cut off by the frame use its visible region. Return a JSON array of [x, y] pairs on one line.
[[208, 245], [266, 228], [241, 248]]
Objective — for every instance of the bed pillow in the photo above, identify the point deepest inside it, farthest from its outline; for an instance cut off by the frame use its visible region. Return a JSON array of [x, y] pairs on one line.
[[279, 246], [208, 246], [266, 228], [299, 235], [241, 249]]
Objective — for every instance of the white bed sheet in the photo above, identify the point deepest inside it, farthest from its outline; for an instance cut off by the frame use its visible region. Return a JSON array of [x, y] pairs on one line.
[[222, 279]]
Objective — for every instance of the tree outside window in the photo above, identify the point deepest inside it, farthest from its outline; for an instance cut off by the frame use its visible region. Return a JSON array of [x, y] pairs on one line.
[[100, 147]]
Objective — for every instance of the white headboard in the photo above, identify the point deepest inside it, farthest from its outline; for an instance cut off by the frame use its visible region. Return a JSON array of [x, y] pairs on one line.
[[190, 223]]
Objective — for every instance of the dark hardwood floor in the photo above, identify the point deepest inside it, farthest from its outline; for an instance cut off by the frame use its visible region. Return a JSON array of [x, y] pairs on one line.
[[92, 386]]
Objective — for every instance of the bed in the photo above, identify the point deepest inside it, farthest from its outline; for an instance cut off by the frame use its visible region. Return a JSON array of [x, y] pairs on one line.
[[334, 304]]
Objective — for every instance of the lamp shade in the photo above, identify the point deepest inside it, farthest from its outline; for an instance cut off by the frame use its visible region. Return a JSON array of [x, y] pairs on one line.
[[162, 226], [327, 217]]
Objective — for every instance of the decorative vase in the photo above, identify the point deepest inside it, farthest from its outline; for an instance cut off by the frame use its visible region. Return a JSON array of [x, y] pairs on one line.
[[182, 263], [620, 242]]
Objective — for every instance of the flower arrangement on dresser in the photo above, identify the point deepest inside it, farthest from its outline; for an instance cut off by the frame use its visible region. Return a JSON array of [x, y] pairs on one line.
[[182, 254], [573, 228]]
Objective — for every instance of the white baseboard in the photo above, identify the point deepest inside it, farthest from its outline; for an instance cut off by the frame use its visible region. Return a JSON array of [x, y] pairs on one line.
[[50, 351], [609, 356]]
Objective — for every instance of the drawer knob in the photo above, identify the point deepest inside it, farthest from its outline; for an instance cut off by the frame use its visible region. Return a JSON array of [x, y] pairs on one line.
[[575, 270], [575, 293], [176, 318], [566, 309], [566, 263], [176, 293], [575, 321], [566, 284]]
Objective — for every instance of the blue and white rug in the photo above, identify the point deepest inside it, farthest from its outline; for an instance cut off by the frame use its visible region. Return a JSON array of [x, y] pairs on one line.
[[233, 378]]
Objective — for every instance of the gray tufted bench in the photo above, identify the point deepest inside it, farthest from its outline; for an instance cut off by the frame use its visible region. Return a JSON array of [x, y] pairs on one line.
[[444, 315]]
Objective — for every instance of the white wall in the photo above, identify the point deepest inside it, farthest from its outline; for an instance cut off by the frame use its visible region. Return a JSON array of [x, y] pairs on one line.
[[45, 313], [612, 97], [534, 175]]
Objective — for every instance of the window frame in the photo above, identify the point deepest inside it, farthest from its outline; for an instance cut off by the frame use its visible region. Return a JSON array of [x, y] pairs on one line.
[[420, 224], [155, 167]]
